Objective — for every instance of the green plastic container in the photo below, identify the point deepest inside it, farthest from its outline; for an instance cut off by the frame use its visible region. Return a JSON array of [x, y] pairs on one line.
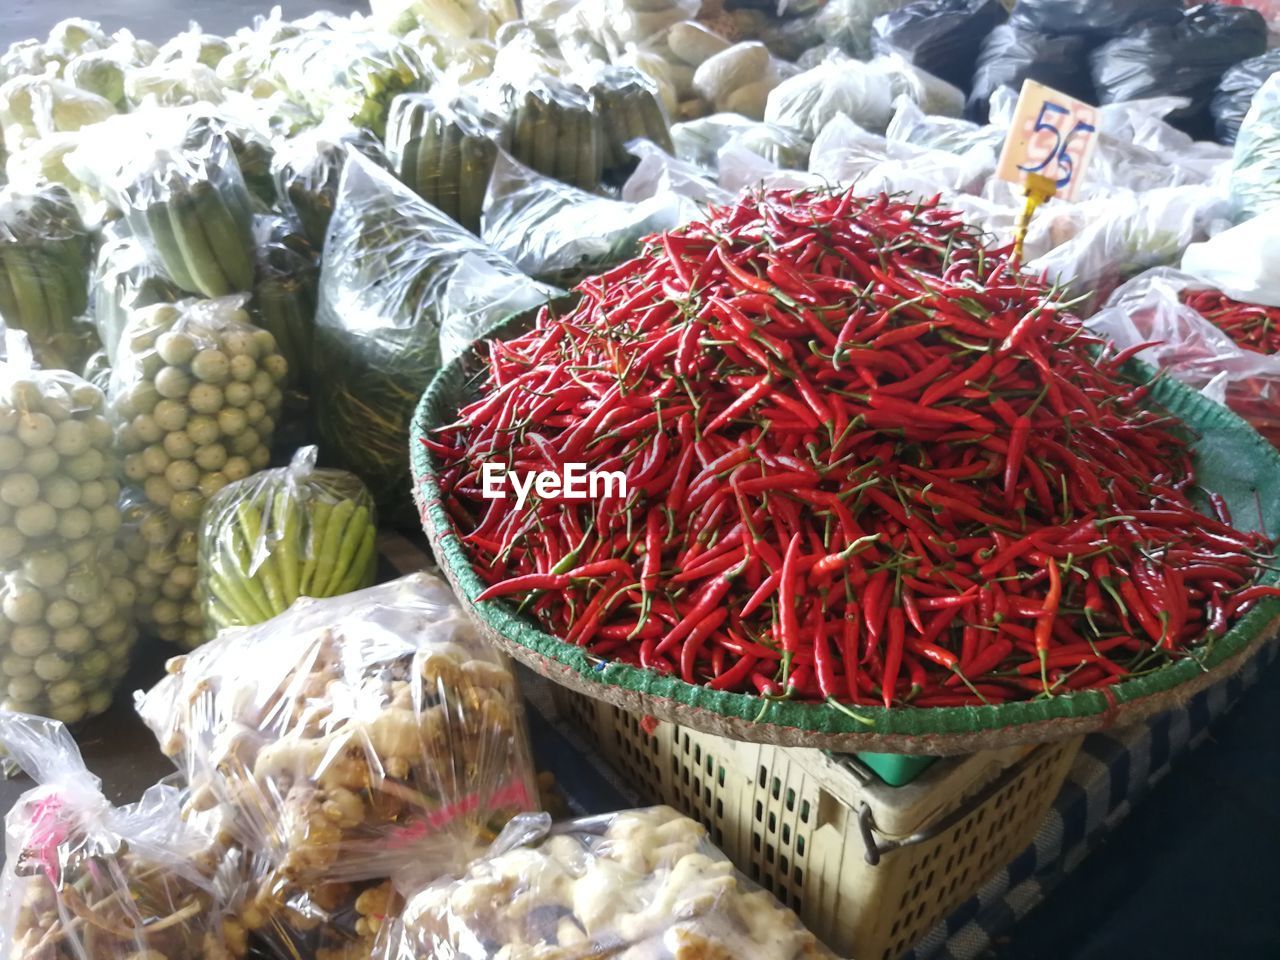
[[896, 769]]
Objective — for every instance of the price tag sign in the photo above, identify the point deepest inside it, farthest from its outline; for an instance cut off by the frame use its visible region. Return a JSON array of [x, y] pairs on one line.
[[1052, 135]]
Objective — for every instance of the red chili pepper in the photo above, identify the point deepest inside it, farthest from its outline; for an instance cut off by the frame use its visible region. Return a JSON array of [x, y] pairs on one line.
[[893, 654]]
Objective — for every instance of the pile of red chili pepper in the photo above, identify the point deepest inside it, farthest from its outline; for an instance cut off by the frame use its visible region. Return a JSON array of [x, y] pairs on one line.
[[867, 461], [1254, 327], [1251, 325]]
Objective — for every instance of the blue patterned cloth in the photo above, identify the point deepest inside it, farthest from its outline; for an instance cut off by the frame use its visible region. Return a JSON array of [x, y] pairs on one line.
[[1111, 775]]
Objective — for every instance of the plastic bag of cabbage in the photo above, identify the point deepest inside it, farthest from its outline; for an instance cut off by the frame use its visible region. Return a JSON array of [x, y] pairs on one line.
[[195, 393], [402, 288], [66, 625], [1255, 164]]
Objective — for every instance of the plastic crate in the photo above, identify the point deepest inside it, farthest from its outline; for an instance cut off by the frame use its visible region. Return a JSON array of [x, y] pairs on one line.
[[870, 868], [896, 769]]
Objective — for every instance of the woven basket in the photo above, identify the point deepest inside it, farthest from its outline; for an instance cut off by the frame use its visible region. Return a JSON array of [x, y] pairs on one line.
[[1231, 459]]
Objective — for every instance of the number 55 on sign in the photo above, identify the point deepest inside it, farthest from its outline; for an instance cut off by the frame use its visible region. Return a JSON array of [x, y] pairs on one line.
[[1052, 135]]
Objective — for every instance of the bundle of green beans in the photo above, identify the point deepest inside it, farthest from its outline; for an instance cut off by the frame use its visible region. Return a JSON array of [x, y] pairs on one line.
[[45, 252], [282, 534], [556, 131], [443, 148], [626, 102]]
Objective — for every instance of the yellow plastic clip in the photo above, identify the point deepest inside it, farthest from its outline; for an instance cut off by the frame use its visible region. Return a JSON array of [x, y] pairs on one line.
[[1038, 189]]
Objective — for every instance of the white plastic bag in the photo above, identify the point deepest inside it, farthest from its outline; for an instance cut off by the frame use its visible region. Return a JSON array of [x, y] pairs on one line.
[[1243, 262], [560, 234], [1125, 234]]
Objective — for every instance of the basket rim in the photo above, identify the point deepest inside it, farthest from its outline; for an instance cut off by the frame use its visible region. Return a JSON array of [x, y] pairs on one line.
[[918, 730]]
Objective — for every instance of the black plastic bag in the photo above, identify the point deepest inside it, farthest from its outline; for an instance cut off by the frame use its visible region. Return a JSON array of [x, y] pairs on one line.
[[1014, 53], [941, 36], [1235, 93], [1183, 59], [1101, 18]]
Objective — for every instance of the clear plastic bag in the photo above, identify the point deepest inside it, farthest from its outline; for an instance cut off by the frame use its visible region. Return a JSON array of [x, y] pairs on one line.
[[402, 289], [32, 107], [1191, 348], [700, 141], [162, 564], [297, 531], [442, 146], [846, 153], [350, 74], [739, 79], [66, 626], [912, 125], [352, 738], [1184, 58], [636, 884], [1255, 165], [178, 83], [85, 879], [1235, 93], [175, 175], [627, 104], [308, 167], [45, 251], [847, 23], [940, 36], [124, 280], [560, 234], [193, 45], [1123, 234], [284, 296], [660, 174], [195, 394], [555, 130]]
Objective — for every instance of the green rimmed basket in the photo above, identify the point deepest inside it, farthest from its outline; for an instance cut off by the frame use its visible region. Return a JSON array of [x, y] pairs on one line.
[[1231, 459]]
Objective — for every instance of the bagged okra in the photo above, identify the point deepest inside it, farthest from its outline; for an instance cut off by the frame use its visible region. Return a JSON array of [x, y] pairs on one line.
[[402, 290], [45, 252], [350, 74], [86, 880], [442, 146], [560, 234], [195, 393], [555, 131], [124, 280], [351, 738], [298, 531], [628, 106], [66, 609], [640, 883], [308, 168]]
